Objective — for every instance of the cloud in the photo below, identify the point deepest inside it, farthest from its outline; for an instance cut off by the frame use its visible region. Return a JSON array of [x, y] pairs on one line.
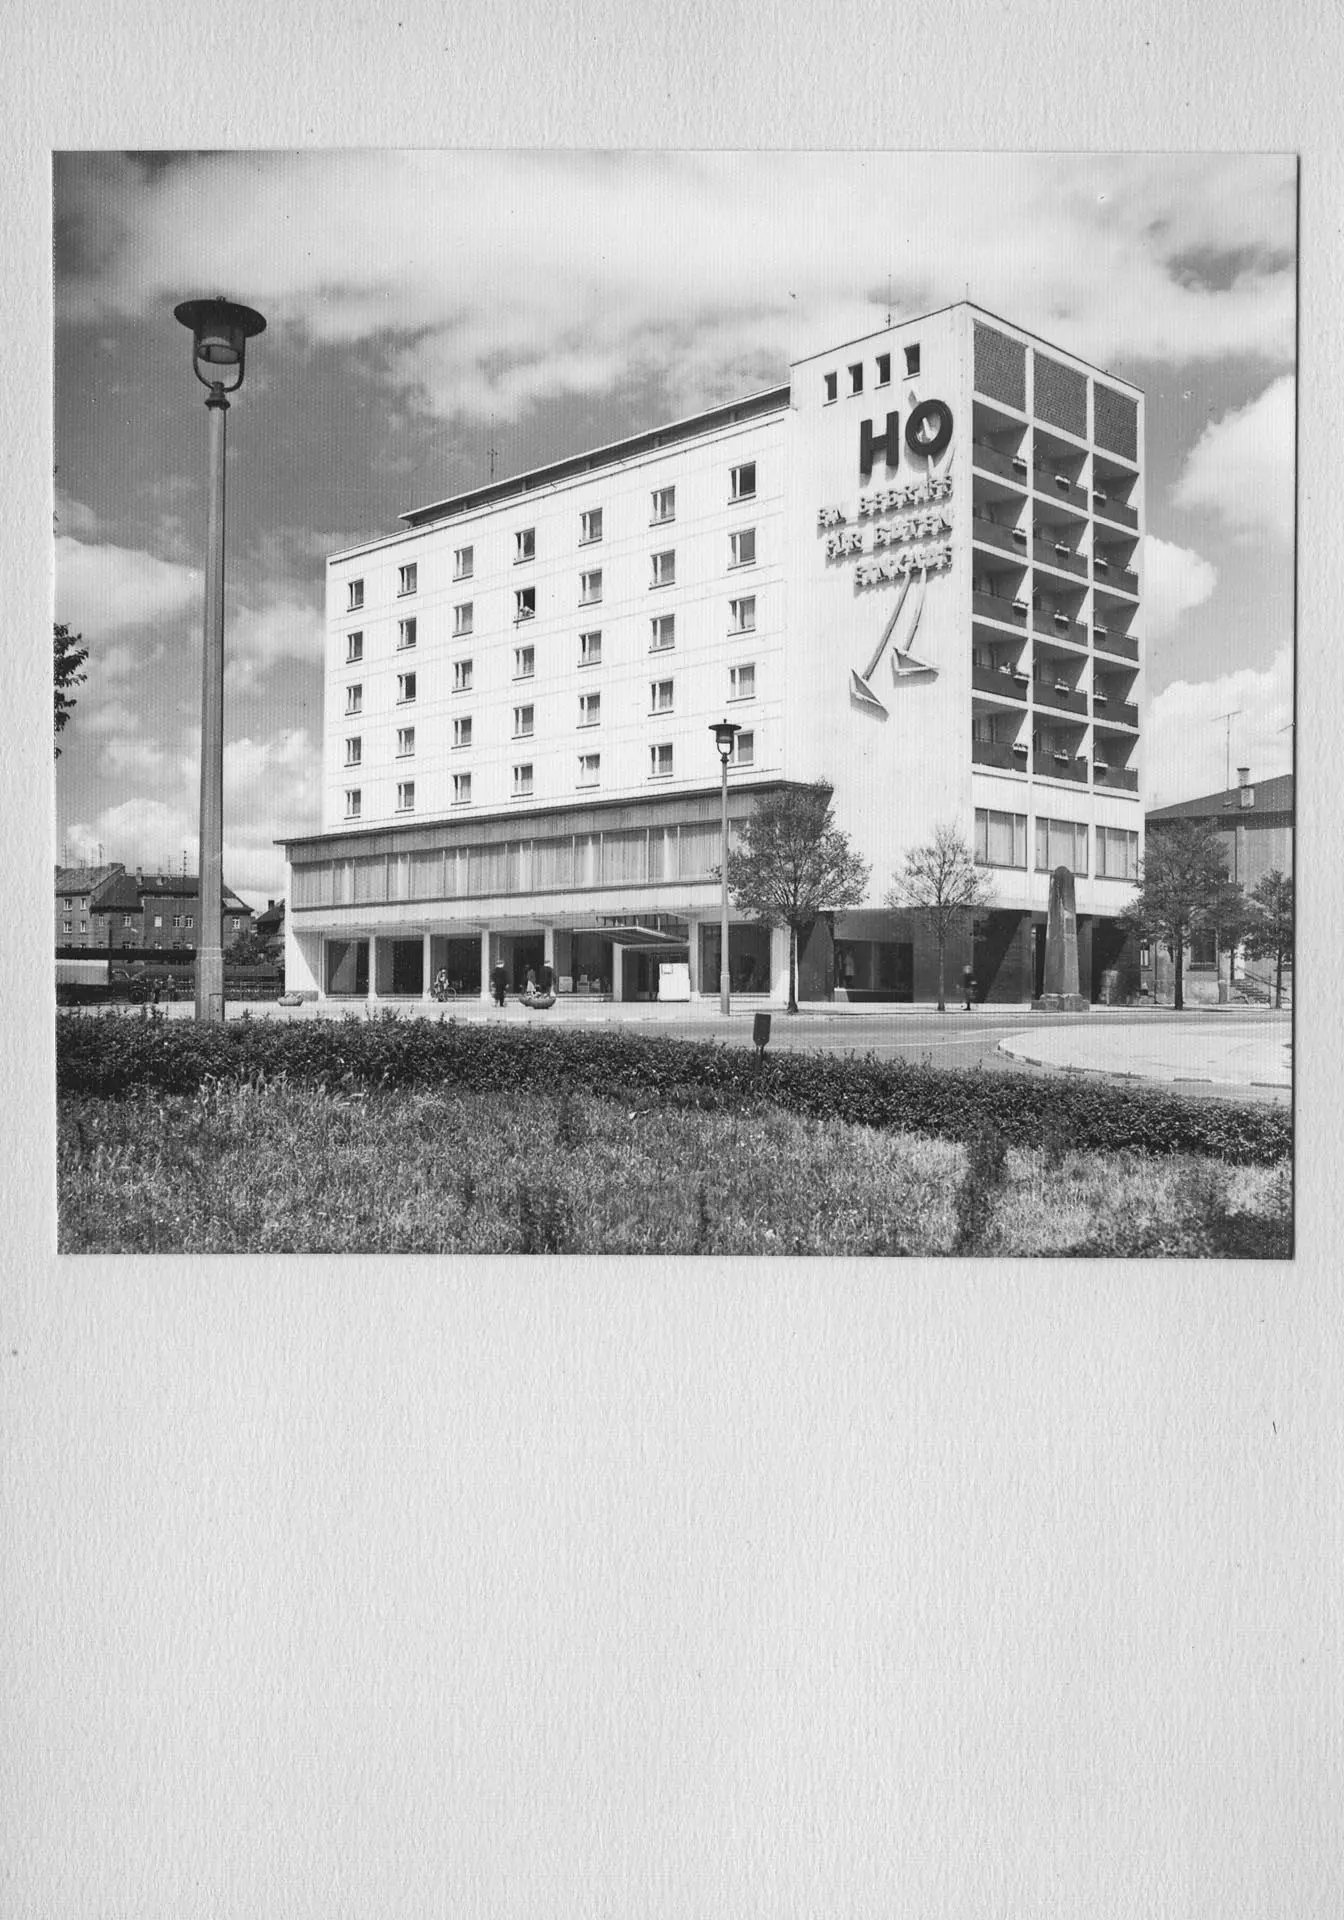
[[1185, 737], [1175, 579], [706, 272], [256, 639], [1241, 467], [103, 590]]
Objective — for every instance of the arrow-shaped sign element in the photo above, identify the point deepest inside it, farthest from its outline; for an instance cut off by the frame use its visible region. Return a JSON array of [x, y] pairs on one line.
[[858, 682]]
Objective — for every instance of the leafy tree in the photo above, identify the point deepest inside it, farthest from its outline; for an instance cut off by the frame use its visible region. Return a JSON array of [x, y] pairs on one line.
[[795, 864], [70, 657], [248, 949], [942, 884], [1269, 931], [1184, 890]]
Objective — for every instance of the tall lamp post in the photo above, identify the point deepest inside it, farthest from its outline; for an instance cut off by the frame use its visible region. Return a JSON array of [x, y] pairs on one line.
[[220, 332], [725, 732]]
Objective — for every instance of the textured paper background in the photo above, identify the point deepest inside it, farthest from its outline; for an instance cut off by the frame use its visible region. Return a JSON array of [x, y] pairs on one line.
[[384, 1589]]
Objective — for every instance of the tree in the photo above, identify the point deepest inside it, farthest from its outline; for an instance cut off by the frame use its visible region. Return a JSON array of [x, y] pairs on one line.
[[248, 949], [795, 864], [1184, 890], [1269, 931], [70, 657], [942, 884]]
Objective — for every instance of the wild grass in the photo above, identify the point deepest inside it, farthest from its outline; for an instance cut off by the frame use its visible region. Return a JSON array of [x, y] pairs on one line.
[[276, 1167]]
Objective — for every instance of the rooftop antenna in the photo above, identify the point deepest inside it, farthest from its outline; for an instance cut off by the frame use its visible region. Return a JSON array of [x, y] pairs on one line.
[[888, 299], [492, 446], [1227, 747]]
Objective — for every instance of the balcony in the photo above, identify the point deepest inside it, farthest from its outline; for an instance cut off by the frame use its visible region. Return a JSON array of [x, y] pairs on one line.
[[1113, 510], [1059, 626], [1113, 713], [1002, 681], [1123, 645], [1056, 554], [1047, 478], [990, 534], [998, 754], [1046, 694], [1008, 466], [1112, 577], [1119, 779], [1059, 766], [997, 606]]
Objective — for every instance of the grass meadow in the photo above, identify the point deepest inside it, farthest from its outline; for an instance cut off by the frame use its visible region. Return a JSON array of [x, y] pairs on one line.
[[286, 1167]]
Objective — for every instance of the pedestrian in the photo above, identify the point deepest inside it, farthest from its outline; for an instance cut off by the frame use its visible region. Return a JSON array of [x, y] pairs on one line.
[[499, 981], [967, 987], [546, 977], [530, 985]]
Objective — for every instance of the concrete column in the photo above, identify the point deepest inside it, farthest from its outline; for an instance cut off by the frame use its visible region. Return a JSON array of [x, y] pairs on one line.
[[779, 966], [426, 977], [548, 946], [617, 971], [373, 966], [693, 954], [485, 965]]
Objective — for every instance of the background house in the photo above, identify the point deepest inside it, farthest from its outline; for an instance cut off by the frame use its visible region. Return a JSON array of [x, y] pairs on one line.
[[108, 906]]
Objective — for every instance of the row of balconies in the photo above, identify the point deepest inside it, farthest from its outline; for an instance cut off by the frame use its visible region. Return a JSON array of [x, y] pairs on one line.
[[1011, 683], [1052, 764], [1108, 564], [1055, 623], [1055, 479]]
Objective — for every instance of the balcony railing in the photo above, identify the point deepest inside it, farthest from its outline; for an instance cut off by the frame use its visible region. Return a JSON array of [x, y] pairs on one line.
[[997, 606], [1052, 767], [997, 753], [1113, 510], [1047, 478], [1055, 554], [1059, 626], [1113, 578], [1123, 779], [1113, 713], [991, 534], [1046, 694], [1000, 680], [1011, 466], [1123, 645]]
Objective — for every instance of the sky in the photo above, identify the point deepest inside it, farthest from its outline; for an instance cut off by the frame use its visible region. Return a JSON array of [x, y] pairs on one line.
[[607, 291]]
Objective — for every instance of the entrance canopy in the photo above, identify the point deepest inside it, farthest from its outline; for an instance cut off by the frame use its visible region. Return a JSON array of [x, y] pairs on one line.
[[631, 934]]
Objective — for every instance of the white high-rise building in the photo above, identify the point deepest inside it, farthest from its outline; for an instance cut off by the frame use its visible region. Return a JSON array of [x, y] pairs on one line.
[[912, 571]]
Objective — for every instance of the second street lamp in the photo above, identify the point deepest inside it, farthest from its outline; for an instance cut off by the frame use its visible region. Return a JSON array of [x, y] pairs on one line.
[[220, 332], [725, 733]]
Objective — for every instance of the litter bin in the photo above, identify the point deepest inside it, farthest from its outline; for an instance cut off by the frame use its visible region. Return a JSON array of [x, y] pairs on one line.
[[760, 1031]]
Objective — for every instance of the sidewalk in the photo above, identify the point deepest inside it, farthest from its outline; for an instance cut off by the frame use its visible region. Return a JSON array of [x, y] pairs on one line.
[[1217, 1052]]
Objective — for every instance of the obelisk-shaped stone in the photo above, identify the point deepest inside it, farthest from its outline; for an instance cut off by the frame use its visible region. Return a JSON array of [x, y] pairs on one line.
[[1061, 993]]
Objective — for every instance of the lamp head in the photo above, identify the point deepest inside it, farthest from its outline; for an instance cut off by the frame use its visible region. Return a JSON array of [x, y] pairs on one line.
[[220, 331], [725, 732]]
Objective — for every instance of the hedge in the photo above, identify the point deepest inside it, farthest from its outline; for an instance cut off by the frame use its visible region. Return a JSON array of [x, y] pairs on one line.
[[112, 1056]]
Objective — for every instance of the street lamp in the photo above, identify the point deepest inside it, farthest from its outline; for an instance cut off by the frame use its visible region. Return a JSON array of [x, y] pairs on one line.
[[220, 332], [725, 732]]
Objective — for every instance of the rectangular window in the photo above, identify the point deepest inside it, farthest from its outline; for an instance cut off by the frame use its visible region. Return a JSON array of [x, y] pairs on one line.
[[69, 905], [1061, 843], [590, 587], [1117, 854], [405, 742], [67, 926], [522, 781], [354, 698], [660, 761], [664, 632], [590, 649], [354, 751], [355, 596], [406, 578], [742, 547], [884, 369], [405, 796], [1000, 838], [524, 604], [405, 635], [911, 361], [664, 568], [461, 789], [354, 648], [462, 731], [464, 618], [353, 801], [664, 505], [525, 544], [660, 696], [742, 481], [742, 682], [158, 917], [590, 526], [523, 722], [524, 662], [590, 709], [128, 920], [742, 614], [191, 921], [832, 386], [461, 676], [405, 687], [744, 750], [856, 377], [464, 563], [590, 769]]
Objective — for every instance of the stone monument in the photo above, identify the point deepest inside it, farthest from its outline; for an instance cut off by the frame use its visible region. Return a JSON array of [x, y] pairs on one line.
[[1061, 993]]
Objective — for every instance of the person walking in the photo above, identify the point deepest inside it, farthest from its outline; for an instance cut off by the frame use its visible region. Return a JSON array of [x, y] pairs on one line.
[[499, 981], [967, 987], [546, 977]]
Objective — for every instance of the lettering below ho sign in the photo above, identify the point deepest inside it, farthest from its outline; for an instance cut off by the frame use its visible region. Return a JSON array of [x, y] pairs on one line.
[[928, 432]]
